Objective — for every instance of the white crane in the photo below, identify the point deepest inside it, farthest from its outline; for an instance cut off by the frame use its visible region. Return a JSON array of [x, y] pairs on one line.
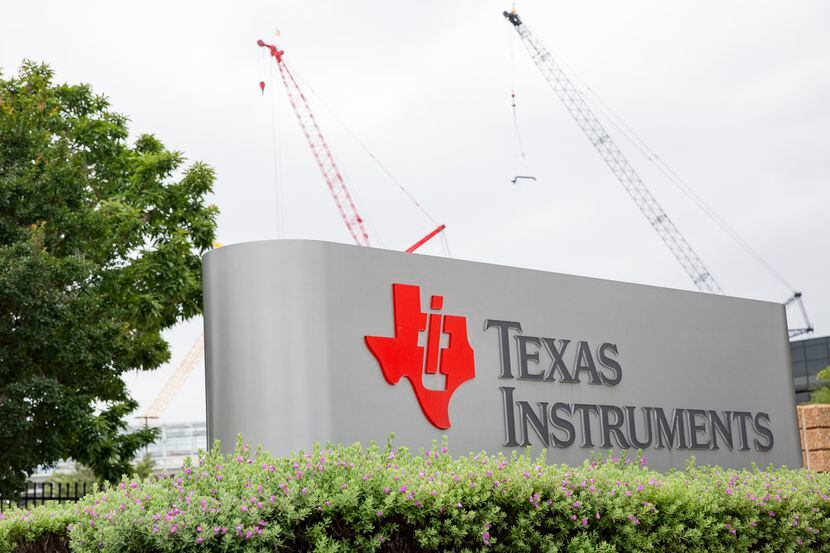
[[576, 105], [613, 157]]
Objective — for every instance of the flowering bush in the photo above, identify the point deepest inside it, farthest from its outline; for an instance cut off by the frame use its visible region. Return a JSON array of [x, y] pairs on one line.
[[340, 498]]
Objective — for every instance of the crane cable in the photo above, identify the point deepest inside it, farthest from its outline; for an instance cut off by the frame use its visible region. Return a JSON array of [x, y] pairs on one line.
[[267, 75], [518, 145], [276, 146], [640, 145], [444, 241], [516, 128]]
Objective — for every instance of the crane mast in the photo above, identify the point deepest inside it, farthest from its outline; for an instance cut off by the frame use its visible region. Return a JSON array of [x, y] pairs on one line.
[[576, 105], [320, 150]]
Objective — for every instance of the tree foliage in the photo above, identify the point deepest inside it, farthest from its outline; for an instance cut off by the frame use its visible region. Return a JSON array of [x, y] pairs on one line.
[[100, 251], [145, 467], [822, 393]]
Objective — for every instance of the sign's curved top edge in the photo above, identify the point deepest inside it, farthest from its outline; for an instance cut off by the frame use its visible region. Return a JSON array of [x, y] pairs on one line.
[[328, 244]]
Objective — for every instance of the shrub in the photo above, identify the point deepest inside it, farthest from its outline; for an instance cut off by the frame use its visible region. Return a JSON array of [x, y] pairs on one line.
[[338, 498]]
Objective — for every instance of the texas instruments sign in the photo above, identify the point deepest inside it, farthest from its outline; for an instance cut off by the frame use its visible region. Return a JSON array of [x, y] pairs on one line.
[[553, 423], [312, 341]]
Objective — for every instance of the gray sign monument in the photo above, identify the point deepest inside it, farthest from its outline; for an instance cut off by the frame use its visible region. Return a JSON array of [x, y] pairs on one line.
[[313, 341]]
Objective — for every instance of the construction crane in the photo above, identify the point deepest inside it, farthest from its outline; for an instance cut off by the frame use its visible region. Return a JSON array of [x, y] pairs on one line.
[[339, 192], [176, 381], [576, 105], [320, 149], [613, 157], [795, 299]]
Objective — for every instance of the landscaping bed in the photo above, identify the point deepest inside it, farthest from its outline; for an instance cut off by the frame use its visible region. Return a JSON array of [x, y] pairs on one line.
[[349, 498]]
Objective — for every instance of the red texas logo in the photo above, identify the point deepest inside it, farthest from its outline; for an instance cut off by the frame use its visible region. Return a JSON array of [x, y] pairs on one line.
[[402, 356]]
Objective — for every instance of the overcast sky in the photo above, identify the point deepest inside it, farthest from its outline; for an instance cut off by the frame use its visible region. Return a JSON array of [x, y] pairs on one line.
[[732, 95]]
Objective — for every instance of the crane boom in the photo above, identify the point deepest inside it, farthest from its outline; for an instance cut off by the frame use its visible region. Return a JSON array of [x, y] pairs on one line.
[[613, 157], [177, 379], [320, 150]]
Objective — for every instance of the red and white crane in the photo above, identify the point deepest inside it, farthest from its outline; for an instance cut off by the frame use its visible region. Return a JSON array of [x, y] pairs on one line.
[[320, 149], [339, 192], [325, 161]]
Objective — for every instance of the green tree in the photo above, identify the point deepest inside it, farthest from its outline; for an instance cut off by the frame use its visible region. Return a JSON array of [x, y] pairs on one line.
[[100, 251], [145, 467], [80, 475], [822, 393]]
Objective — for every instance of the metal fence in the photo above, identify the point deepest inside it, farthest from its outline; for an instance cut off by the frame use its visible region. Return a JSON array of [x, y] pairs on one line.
[[39, 493]]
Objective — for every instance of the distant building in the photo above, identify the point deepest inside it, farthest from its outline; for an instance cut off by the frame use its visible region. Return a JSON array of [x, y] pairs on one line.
[[177, 441], [808, 358]]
